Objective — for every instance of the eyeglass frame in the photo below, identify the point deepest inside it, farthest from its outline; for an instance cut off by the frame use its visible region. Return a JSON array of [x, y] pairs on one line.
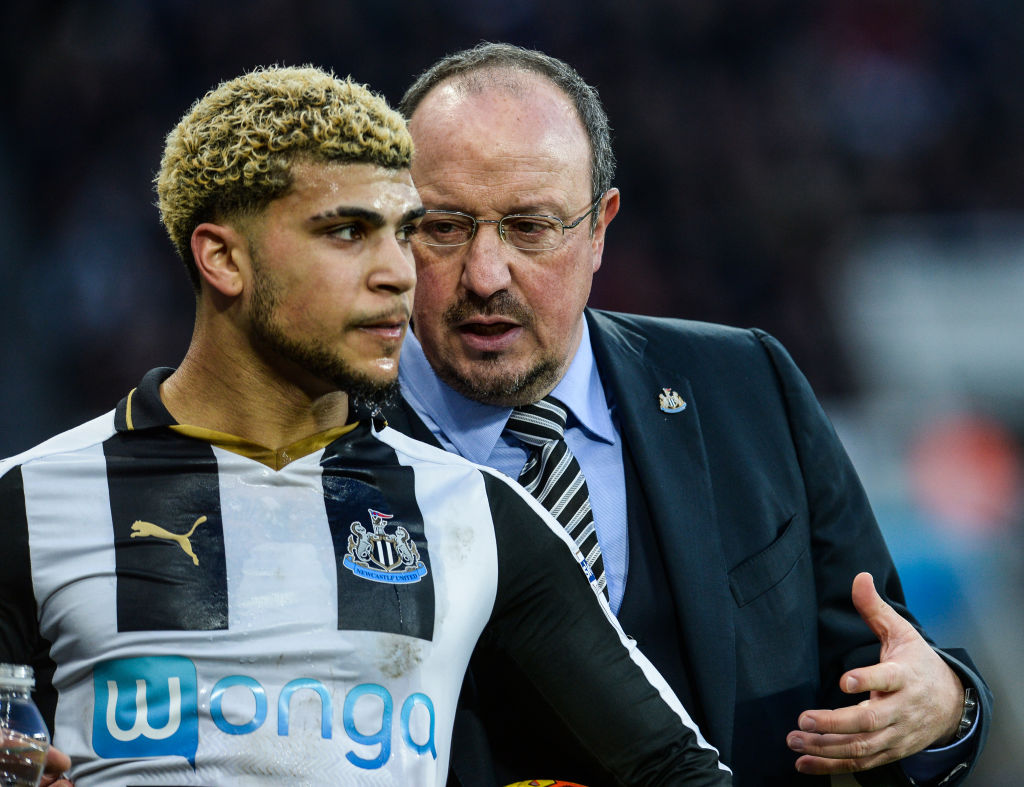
[[501, 230]]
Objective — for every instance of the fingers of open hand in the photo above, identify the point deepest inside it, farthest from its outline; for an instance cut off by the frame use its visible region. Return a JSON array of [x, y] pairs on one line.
[[885, 728], [844, 741], [914, 689], [887, 677], [869, 716], [821, 766]]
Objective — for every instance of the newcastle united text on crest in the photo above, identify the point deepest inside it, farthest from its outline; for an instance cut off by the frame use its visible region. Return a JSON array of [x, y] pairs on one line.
[[381, 556]]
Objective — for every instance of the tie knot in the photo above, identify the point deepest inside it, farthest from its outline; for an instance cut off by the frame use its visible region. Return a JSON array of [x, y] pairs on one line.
[[538, 423]]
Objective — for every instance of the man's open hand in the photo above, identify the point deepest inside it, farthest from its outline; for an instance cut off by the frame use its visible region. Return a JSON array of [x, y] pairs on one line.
[[915, 700]]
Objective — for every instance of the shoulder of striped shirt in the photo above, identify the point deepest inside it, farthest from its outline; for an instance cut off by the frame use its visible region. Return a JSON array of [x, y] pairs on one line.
[[77, 438], [424, 452], [417, 450]]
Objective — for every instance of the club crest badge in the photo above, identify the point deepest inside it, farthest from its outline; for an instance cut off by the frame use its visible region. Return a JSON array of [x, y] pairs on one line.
[[382, 556], [670, 402]]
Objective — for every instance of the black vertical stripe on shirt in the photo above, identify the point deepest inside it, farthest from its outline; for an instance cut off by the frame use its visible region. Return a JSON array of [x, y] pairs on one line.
[[17, 629], [161, 483], [361, 473], [20, 640]]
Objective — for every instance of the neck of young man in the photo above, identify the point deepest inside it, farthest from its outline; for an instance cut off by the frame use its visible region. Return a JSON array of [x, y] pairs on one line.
[[245, 397]]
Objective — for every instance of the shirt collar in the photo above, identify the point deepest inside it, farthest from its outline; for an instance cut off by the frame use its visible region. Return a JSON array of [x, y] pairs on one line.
[[142, 408], [473, 429]]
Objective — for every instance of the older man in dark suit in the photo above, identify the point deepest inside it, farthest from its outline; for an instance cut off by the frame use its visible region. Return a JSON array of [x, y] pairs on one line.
[[691, 463]]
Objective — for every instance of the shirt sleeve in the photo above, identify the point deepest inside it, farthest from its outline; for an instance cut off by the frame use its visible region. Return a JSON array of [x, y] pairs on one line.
[[561, 633]]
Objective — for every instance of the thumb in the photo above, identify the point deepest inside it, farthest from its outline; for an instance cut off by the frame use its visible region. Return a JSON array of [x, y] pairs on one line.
[[886, 623]]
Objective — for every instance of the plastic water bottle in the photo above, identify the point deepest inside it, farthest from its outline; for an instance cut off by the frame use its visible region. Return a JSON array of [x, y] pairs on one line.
[[24, 738]]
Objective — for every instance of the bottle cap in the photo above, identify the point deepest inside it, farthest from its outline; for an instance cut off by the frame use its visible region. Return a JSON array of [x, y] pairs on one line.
[[17, 675]]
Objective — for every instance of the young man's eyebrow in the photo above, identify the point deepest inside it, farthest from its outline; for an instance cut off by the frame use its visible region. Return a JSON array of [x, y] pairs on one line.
[[371, 217]]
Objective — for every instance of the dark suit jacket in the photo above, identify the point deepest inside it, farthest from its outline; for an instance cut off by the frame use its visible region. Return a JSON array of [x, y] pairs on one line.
[[758, 523]]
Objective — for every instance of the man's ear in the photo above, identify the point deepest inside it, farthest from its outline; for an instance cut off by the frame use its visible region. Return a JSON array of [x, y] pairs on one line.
[[220, 252], [609, 208]]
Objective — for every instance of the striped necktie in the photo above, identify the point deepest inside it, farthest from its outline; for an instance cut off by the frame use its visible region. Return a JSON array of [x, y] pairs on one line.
[[554, 477]]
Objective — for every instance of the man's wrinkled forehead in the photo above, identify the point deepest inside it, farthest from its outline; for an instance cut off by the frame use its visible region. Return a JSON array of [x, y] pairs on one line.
[[476, 104], [498, 85]]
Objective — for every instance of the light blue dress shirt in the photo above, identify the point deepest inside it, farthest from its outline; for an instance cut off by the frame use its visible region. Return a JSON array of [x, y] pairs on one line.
[[475, 431]]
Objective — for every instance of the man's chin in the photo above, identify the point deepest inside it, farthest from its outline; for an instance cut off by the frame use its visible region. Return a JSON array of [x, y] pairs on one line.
[[490, 382]]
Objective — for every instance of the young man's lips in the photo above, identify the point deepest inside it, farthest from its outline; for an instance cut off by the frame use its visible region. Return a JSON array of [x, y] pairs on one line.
[[387, 330]]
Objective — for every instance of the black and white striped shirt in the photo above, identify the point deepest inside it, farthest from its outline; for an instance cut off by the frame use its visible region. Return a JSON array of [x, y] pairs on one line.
[[215, 617]]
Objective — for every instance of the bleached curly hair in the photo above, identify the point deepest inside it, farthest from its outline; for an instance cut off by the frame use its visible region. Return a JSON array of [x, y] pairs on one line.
[[232, 152]]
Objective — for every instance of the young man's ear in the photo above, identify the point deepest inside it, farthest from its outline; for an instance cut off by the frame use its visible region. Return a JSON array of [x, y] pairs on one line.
[[220, 252]]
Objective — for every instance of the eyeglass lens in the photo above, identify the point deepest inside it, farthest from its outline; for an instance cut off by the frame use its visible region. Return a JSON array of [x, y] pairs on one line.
[[530, 233]]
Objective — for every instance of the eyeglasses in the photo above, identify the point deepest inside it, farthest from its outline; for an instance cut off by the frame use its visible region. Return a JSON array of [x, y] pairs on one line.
[[525, 231]]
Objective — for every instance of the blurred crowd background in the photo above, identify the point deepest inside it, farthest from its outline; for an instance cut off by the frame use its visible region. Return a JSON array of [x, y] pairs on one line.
[[847, 174]]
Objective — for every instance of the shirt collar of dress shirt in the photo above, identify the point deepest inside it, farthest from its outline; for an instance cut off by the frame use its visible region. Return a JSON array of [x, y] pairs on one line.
[[473, 429]]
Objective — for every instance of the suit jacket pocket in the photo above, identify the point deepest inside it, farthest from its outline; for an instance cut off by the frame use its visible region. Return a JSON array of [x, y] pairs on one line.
[[759, 573]]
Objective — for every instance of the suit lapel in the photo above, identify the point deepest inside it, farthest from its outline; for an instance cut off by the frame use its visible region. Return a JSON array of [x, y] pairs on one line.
[[669, 453]]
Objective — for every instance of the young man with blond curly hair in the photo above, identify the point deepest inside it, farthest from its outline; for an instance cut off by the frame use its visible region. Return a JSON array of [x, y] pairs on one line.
[[224, 580]]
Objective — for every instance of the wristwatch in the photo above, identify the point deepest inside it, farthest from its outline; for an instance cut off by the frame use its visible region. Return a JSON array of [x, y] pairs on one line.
[[969, 715]]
